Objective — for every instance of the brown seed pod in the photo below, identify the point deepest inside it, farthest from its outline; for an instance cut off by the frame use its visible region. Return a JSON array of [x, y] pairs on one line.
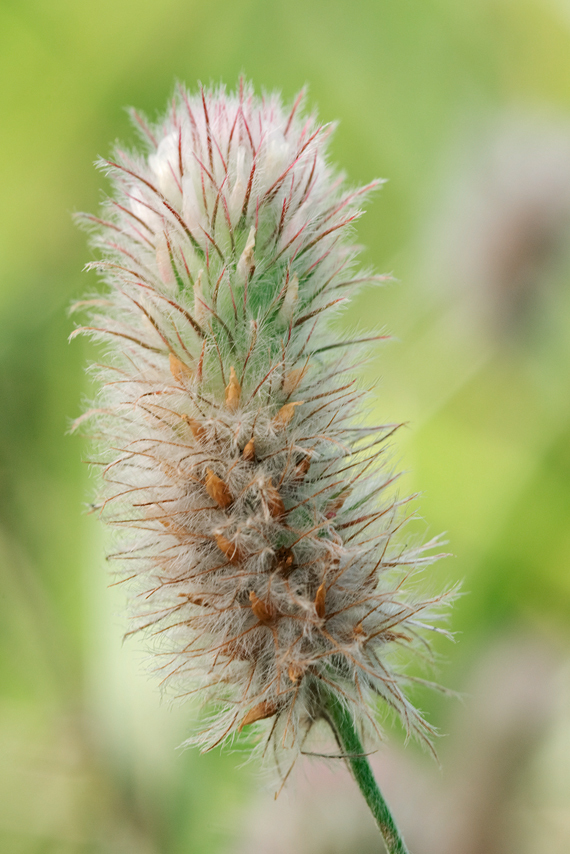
[[265, 709], [233, 552], [195, 428], [194, 600], [273, 500], [285, 414], [295, 671], [285, 560], [179, 370], [320, 601], [233, 391], [218, 490], [248, 452], [302, 468], [261, 609]]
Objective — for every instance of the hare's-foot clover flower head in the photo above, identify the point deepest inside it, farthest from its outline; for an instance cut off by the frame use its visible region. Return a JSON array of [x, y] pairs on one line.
[[256, 511]]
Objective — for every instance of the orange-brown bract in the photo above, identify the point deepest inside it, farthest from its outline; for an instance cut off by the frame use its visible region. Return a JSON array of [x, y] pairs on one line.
[[255, 507]]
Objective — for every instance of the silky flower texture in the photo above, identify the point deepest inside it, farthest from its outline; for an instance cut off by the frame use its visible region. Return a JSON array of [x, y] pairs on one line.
[[257, 519]]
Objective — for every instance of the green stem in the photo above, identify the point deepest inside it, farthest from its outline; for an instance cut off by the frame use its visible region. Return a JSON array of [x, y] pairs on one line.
[[342, 724]]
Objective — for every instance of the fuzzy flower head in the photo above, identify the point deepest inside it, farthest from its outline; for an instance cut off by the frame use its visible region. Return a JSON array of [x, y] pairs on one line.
[[255, 510]]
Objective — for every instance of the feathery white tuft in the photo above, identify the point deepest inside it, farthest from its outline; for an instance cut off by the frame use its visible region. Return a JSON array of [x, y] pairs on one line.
[[256, 512]]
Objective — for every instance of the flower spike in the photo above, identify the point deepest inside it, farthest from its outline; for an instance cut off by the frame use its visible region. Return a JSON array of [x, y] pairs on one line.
[[259, 527]]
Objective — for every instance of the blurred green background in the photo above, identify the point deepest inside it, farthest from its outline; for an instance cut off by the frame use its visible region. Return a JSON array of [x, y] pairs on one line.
[[464, 105]]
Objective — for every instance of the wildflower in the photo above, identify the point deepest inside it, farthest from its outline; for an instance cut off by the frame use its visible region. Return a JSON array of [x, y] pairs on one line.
[[255, 509]]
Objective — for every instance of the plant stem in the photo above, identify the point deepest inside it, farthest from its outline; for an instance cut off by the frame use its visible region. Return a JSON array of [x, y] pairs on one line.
[[342, 724]]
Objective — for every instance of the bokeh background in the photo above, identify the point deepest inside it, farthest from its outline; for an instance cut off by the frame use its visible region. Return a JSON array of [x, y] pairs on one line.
[[464, 105]]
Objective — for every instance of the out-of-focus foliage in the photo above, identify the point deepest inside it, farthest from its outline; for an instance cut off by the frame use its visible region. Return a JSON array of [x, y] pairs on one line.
[[465, 108]]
